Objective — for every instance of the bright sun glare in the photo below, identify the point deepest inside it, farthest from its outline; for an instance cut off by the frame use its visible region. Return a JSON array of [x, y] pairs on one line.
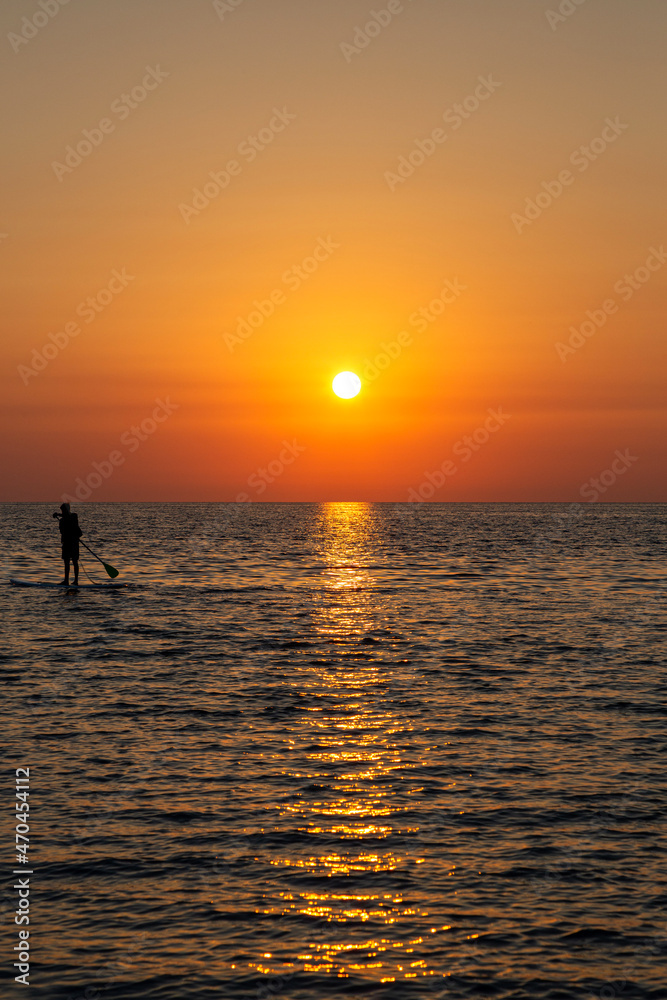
[[346, 385]]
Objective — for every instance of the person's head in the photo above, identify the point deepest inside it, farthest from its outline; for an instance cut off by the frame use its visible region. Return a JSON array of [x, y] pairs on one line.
[[64, 508]]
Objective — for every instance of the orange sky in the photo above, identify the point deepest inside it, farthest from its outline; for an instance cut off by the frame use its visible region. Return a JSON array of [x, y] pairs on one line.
[[371, 199]]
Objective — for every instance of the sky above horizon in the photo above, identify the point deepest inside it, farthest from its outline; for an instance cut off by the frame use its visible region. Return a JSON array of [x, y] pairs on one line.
[[210, 209]]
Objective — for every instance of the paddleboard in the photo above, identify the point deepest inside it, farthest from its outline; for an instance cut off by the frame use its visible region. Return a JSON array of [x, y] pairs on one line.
[[68, 586]]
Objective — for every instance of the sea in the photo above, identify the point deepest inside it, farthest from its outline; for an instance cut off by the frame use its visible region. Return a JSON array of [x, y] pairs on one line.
[[338, 750]]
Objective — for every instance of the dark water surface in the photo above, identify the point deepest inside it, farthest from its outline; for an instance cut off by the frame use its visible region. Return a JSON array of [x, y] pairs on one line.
[[341, 750]]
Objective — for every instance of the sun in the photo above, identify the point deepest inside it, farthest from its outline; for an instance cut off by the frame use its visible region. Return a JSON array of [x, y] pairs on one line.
[[346, 385]]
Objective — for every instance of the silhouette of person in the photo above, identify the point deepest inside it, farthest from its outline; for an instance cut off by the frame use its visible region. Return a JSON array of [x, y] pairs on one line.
[[70, 533]]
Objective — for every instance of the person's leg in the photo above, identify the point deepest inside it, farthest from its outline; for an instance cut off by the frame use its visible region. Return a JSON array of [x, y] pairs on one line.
[[66, 561], [75, 564]]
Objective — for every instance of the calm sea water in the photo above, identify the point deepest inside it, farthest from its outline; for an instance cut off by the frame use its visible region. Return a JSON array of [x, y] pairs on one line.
[[342, 750]]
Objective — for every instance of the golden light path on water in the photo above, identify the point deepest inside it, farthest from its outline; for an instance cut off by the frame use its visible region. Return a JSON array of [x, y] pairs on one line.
[[356, 761]]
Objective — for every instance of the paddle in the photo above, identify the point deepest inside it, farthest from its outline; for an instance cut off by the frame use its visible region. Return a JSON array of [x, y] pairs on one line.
[[110, 569]]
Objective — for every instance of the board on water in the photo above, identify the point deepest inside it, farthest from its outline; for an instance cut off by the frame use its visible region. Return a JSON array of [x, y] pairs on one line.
[[68, 586]]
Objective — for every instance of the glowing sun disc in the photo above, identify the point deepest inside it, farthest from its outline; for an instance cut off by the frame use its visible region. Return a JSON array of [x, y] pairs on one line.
[[346, 385]]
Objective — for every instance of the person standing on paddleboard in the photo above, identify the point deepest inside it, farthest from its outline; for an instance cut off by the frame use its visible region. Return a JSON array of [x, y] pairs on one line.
[[70, 533]]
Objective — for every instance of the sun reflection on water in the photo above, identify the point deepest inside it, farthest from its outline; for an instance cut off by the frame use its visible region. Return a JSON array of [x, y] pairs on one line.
[[354, 767]]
